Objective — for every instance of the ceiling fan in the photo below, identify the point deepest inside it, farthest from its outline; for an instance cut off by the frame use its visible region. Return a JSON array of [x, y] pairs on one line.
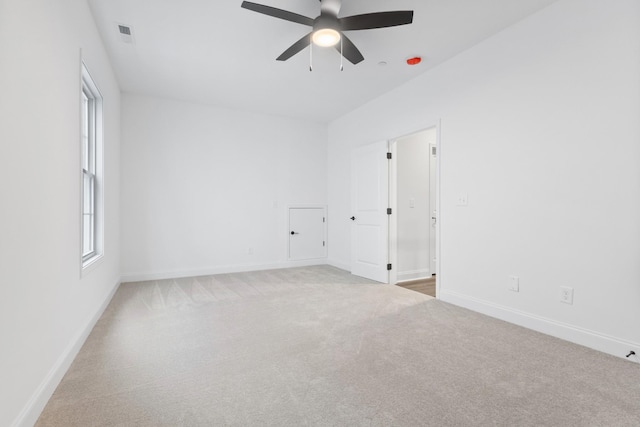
[[328, 29]]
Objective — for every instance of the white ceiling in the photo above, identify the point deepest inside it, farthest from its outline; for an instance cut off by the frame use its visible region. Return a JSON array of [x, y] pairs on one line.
[[215, 52]]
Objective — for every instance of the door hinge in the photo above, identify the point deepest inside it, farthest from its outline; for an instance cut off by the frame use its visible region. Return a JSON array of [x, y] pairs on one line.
[[433, 151], [389, 155], [322, 219], [389, 211], [388, 266], [323, 243]]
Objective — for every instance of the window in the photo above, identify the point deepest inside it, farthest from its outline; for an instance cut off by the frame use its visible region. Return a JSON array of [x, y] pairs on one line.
[[90, 137]]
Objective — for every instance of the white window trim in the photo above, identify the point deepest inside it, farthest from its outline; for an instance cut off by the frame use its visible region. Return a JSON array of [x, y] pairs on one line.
[[89, 261]]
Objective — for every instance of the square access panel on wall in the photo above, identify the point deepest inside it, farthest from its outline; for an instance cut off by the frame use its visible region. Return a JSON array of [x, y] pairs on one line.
[[307, 232]]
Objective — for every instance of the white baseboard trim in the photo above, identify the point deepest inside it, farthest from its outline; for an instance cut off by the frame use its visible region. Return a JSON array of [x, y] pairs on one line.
[[338, 264], [592, 339], [31, 411], [238, 268], [405, 276]]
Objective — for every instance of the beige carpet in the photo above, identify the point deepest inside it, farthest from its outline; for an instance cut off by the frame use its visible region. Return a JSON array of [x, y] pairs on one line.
[[317, 346]]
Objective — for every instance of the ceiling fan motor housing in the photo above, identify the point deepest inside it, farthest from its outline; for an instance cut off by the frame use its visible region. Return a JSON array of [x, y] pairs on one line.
[[326, 21]]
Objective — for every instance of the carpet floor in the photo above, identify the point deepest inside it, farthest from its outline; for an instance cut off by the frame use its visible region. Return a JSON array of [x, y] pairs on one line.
[[316, 346]]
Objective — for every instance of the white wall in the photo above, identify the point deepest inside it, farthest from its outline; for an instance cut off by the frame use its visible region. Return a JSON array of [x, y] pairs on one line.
[[413, 213], [201, 185], [539, 126], [46, 309]]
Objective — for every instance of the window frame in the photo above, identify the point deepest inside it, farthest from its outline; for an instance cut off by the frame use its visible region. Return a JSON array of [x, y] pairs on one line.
[[91, 171]]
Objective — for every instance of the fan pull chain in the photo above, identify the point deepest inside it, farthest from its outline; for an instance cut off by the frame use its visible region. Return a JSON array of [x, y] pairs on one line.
[[341, 55], [310, 56]]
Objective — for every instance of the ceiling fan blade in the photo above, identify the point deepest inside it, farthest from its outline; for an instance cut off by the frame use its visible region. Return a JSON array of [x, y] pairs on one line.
[[349, 50], [370, 21], [295, 48], [277, 13], [330, 7]]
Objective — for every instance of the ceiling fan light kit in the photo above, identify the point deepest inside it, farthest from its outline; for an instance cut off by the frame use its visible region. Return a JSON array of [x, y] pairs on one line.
[[325, 37], [328, 30]]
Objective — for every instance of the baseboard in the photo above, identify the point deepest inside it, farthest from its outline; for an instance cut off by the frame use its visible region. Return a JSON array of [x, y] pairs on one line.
[[338, 264], [31, 411], [239, 268], [405, 276], [594, 340]]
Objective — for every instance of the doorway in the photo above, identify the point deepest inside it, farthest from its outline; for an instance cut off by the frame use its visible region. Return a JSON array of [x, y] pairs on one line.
[[413, 228], [374, 212]]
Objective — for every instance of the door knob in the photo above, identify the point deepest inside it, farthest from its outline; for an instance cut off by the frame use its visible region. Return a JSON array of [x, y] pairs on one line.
[[353, 218], [294, 232]]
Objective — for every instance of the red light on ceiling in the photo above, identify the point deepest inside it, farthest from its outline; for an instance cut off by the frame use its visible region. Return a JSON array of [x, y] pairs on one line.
[[414, 61]]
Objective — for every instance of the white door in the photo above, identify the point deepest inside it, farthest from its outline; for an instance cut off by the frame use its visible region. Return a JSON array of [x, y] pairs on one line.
[[369, 203], [432, 208], [307, 233]]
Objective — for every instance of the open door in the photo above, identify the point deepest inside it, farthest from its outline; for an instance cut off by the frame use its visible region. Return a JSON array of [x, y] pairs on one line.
[[369, 203]]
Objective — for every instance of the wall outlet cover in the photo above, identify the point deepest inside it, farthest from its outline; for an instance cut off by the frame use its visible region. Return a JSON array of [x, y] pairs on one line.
[[566, 294], [463, 199]]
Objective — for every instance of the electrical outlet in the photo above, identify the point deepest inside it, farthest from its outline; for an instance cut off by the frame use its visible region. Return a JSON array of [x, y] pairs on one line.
[[514, 283], [566, 294], [462, 200]]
